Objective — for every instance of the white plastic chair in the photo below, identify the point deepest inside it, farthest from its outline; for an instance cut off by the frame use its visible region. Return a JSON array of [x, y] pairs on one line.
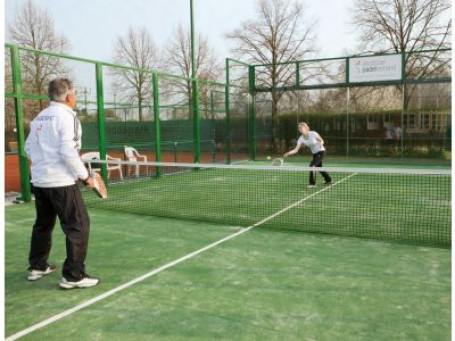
[[92, 157], [133, 155]]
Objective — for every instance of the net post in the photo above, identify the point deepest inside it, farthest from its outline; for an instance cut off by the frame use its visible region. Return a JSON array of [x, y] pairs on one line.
[[157, 126], [26, 194], [101, 126]]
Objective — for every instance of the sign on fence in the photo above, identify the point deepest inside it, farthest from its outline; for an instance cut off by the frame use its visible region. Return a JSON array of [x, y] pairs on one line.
[[375, 68]]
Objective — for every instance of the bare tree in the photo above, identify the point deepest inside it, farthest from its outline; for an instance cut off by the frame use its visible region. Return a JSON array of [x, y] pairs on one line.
[[137, 50], [178, 60], [277, 35], [408, 25], [33, 27]]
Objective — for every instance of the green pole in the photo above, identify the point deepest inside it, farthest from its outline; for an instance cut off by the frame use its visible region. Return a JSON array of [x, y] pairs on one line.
[[195, 88], [156, 115], [26, 194], [101, 126], [347, 108], [251, 113], [212, 109], [212, 105], [196, 122], [228, 114], [403, 99], [193, 65]]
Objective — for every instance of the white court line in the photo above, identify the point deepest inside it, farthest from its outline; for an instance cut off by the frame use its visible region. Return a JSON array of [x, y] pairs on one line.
[[160, 269]]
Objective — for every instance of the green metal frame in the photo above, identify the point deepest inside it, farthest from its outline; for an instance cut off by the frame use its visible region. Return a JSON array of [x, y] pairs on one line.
[[196, 121], [252, 113], [101, 127], [18, 96], [23, 161], [253, 90], [227, 107], [347, 82], [156, 114]]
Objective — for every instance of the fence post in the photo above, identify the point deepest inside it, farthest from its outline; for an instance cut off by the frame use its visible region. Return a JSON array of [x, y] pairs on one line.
[[403, 99], [101, 125], [156, 116], [196, 121], [252, 113], [26, 194], [227, 104]]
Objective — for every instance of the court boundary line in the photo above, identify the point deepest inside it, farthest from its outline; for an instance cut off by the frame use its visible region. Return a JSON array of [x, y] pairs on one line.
[[155, 271]]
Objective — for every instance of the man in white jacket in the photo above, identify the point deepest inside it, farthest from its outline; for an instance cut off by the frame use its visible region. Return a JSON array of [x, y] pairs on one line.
[[53, 147]]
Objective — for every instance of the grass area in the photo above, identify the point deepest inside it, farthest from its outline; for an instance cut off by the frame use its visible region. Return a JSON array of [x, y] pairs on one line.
[[264, 284]]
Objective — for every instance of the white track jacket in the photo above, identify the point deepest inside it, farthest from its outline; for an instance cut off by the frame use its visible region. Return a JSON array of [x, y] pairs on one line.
[[53, 147]]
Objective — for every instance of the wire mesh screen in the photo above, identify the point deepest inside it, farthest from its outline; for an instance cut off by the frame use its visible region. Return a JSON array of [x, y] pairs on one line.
[[408, 206]]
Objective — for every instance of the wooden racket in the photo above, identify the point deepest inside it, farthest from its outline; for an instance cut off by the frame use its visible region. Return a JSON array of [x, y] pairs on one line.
[[99, 186]]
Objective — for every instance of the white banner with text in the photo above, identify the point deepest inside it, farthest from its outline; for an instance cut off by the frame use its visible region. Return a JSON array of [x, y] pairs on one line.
[[375, 68]]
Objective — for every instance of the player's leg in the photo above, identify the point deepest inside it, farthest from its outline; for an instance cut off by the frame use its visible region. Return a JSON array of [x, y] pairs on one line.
[[75, 223], [313, 163], [41, 241]]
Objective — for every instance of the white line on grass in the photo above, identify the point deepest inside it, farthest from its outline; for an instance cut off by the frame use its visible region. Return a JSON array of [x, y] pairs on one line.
[[162, 268]]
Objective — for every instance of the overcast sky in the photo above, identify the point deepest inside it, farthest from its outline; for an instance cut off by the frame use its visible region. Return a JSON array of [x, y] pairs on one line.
[[92, 27]]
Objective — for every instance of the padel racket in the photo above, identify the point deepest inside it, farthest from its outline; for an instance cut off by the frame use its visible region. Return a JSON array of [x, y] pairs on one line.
[[99, 187], [278, 162]]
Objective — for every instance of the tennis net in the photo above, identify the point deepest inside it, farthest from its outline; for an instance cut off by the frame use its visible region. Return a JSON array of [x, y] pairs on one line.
[[410, 206]]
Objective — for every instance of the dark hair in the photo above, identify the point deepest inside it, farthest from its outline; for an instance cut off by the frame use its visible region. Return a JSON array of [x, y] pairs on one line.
[[59, 88]]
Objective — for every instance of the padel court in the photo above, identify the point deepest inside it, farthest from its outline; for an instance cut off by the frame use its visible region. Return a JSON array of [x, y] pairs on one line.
[[222, 251], [251, 271]]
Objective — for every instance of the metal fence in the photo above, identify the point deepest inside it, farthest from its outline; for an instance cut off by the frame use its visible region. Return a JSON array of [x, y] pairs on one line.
[[121, 106]]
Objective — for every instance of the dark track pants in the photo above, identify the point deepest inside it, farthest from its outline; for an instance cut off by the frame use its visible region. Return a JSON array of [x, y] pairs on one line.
[[317, 162], [65, 203]]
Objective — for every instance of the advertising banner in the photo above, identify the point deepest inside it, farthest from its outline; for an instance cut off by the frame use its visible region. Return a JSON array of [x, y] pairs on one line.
[[375, 68]]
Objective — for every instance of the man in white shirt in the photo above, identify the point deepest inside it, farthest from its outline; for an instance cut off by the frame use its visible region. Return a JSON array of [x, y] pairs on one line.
[[53, 146], [314, 141]]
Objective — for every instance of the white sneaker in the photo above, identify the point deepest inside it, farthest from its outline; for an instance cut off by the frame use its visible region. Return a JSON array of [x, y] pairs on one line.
[[35, 274], [311, 186], [85, 282]]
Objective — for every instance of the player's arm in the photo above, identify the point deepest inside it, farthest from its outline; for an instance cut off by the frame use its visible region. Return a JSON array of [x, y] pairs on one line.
[[293, 151]]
